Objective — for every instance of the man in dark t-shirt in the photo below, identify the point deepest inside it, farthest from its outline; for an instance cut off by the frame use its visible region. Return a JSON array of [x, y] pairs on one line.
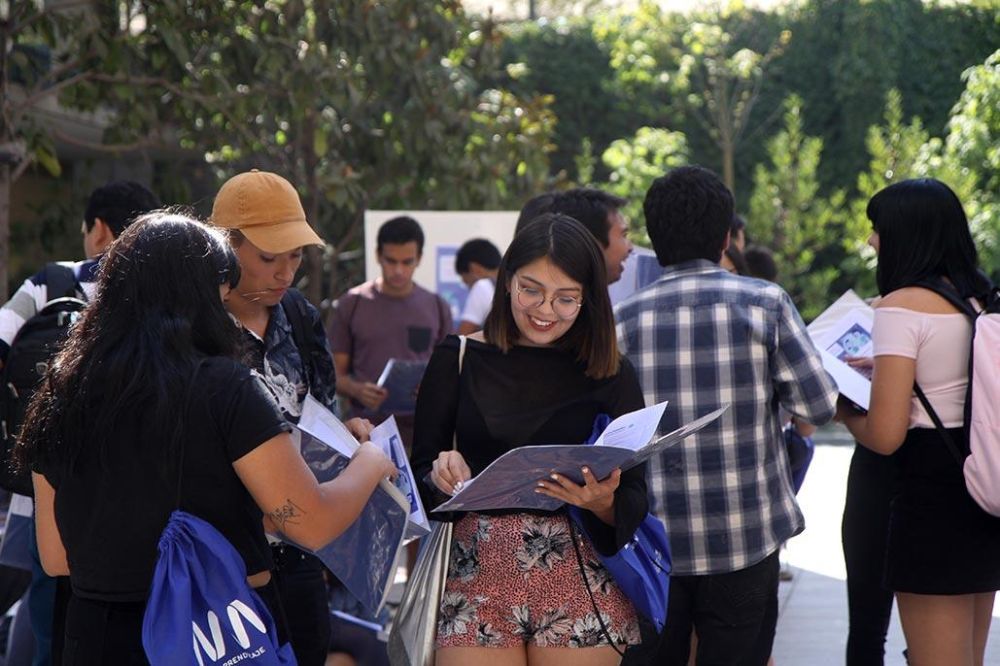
[[390, 317]]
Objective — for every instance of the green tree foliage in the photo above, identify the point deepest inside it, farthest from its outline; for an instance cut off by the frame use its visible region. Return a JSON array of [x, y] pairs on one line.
[[360, 104], [973, 153], [844, 57], [788, 214], [634, 164], [563, 60]]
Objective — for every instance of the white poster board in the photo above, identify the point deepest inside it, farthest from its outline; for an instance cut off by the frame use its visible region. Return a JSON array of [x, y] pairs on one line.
[[444, 233]]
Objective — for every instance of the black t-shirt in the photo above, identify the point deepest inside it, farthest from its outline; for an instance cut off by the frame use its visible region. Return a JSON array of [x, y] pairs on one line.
[[527, 396], [111, 513]]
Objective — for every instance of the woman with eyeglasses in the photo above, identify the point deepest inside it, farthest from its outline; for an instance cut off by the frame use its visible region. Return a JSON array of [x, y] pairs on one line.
[[545, 365]]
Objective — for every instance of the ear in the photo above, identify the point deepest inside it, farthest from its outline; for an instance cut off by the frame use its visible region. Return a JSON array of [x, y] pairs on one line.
[[102, 234], [725, 243]]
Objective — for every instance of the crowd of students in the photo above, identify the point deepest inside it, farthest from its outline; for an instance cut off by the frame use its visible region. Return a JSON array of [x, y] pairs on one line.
[[177, 388]]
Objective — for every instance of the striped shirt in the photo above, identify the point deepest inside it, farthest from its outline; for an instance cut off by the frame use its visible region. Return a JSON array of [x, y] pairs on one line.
[[32, 296], [701, 337]]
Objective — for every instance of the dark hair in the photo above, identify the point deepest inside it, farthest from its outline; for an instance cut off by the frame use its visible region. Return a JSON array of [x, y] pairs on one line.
[[760, 263], [477, 250], [739, 261], [156, 313], [688, 212], [923, 233], [572, 248], [589, 207], [399, 231], [532, 208], [118, 203], [738, 224]]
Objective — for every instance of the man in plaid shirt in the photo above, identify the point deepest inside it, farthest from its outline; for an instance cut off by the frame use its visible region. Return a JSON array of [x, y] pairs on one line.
[[701, 338]]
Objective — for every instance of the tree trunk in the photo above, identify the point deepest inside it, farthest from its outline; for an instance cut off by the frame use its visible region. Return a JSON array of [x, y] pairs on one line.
[[728, 168]]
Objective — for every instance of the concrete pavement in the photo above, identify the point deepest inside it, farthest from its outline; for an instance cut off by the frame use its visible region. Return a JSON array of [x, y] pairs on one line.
[[812, 624]]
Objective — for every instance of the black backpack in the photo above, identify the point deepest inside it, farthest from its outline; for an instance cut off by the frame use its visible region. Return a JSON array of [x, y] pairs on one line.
[[36, 343]]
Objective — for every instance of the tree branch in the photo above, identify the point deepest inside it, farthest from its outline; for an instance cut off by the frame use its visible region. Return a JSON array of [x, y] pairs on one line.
[[107, 147]]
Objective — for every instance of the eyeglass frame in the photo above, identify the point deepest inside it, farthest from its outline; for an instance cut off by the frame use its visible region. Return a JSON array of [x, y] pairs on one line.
[[551, 301]]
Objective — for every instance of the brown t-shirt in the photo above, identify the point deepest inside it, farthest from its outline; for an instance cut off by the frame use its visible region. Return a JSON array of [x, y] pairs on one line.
[[372, 328]]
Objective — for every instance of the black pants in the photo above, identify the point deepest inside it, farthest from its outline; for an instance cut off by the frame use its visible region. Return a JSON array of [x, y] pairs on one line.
[[733, 613], [99, 633], [870, 483], [302, 588]]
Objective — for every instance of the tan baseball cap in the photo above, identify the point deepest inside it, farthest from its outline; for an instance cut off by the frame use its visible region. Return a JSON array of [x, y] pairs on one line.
[[266, 208]]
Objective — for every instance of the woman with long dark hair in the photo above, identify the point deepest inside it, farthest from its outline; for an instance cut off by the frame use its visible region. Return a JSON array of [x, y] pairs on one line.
[[148, 379], [943, 553], [544, 367]]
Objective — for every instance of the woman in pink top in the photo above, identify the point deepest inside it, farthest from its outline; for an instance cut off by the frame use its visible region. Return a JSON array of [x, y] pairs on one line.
[[943, 556]]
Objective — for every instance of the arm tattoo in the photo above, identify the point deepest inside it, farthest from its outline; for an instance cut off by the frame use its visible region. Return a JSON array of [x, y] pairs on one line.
[[289, 513]]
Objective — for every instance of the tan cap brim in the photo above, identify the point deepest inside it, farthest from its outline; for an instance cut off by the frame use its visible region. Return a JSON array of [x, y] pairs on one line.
[[279, 238]]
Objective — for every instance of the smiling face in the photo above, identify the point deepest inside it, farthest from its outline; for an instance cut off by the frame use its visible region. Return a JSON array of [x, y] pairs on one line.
[[265, 277], [619, 246], [542, 280]]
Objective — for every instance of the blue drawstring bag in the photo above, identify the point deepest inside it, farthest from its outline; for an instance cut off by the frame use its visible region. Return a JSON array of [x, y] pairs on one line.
[[800, 453], [201, 610], [641, 568]]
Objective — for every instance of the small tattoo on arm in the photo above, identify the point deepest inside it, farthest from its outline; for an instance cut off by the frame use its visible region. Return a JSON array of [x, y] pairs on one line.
[[289, 513]]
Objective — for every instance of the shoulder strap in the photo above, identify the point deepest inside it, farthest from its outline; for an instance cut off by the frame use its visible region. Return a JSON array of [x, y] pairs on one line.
[[462, 340], [945, 435], [60, 281], [947, 292], [293, 304]]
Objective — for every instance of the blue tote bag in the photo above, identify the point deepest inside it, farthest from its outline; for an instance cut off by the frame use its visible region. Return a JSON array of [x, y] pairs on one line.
[[641, 568], [201, 610]]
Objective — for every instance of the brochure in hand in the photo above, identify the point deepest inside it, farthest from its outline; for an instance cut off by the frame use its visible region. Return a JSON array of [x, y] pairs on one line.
[[401, 379], [386, 436], [844, 330], [509, 482], [364, 557]]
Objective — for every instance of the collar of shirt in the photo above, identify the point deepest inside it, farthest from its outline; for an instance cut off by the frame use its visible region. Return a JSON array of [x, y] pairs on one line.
[[688, 268]]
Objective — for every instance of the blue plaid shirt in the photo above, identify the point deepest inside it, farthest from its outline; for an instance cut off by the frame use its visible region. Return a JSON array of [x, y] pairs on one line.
[[701, 337]]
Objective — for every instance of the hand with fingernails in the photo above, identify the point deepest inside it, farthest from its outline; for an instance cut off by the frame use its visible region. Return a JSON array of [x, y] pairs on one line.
[[595, 496]]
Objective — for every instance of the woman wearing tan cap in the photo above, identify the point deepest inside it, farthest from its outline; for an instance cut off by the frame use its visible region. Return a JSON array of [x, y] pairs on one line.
[[287, 347]]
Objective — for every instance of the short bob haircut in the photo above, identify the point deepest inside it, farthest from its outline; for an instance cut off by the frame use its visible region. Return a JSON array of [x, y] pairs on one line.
[[924, 234], [574, 250]]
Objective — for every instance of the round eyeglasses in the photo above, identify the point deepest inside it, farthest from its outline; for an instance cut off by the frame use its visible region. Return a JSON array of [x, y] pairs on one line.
[[529, 298]]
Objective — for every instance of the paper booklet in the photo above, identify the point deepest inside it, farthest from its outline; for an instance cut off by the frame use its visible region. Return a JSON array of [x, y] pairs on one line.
[[509, 482], [842, 330], [401, 379], [364, 557]]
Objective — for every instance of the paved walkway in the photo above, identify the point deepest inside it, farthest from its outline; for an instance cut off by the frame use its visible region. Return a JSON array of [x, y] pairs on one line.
[[812, 625]]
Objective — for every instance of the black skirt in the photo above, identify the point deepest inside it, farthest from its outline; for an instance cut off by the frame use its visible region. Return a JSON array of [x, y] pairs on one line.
[[940, 541]]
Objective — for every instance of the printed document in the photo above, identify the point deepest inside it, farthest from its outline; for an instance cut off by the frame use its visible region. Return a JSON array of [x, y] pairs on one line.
[[364, 557], [401, 379], [844, 330], [386, 436], [509, 482]]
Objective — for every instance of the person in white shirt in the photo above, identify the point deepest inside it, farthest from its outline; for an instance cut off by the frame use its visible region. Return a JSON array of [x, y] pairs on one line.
[[477, 263]]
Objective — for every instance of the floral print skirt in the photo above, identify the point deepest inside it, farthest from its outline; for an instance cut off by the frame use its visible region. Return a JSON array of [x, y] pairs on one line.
[[515, 580]]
